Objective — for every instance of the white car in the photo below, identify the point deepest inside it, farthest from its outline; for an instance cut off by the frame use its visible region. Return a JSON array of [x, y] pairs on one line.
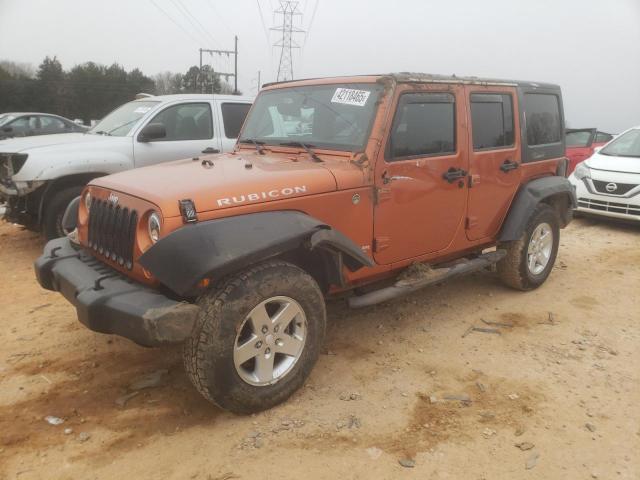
[[39, 176], [608, 182]]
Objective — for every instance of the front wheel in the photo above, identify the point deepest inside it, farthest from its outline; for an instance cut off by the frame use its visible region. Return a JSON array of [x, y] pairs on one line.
[[257, 338], [54, 211], [529, 259]]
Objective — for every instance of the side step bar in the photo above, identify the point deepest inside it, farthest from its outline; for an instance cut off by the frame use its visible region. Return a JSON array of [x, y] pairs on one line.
[[425, 278]]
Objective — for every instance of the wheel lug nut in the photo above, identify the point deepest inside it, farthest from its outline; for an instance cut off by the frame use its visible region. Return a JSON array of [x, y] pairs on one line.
[[267, 351], [276, 328], [265, 329], [258, 344]]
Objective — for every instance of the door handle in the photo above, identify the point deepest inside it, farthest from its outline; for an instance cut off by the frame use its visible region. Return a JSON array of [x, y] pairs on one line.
[[454, 174], [210, 150], [508, 165]]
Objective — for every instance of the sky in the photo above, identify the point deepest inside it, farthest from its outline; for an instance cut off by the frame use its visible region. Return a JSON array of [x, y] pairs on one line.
[[591, 48]]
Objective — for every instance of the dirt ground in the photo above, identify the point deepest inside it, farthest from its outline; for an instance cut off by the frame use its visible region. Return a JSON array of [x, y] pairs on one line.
[[560, 379]]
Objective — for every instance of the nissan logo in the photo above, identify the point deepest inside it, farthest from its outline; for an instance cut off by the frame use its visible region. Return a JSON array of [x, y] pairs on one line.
[[611, 187]]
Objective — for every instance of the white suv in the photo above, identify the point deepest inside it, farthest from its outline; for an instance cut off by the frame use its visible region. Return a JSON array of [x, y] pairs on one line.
[[608, 182], [39, 176]]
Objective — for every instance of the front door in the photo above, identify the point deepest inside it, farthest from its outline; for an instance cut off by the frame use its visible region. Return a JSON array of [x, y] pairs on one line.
[[421, 186], [494, 152], [189, 128]]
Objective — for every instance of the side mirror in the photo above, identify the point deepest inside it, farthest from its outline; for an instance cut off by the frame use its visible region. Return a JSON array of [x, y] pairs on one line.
[[153, 131]]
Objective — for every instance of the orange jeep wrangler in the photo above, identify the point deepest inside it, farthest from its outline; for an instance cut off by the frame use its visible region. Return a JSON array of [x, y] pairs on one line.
[[335, 185]]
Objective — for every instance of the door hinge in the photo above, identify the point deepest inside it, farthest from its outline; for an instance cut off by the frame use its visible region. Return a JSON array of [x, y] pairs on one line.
[[381, 243]]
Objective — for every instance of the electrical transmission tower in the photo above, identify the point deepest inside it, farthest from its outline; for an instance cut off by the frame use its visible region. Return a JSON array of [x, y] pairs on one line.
[[288, 10]]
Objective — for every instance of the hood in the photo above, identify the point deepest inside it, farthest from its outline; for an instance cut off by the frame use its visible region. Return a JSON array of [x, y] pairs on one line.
[[614, 164], [50, 142], [233, 180]]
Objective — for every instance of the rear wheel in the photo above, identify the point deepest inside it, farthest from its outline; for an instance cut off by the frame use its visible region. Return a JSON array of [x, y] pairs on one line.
[[54, 211], [257, 338], [530, 259]]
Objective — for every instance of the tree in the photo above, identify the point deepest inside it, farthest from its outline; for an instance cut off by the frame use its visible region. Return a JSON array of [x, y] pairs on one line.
[[204, 81], [167, 83], [50, 82]]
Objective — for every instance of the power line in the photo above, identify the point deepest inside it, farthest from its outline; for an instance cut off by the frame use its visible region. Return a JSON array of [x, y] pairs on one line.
[[217, 13], [313, 15], [193, 21], [186, 32], [264, 26]]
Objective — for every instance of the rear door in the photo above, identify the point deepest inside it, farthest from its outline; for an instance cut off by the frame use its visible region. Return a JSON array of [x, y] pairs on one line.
[[421, 186], [189, 127], [494, 165], [232, 115]]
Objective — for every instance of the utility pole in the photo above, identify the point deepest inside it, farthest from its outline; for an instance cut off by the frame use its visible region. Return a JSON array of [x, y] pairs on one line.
[[289, 10], [226, 75]]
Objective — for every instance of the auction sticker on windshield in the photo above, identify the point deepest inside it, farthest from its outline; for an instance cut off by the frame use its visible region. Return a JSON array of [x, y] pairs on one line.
[[350, 96]]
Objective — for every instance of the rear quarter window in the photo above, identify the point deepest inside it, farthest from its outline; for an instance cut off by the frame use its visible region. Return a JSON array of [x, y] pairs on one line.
[[233, 115], [543, 119]]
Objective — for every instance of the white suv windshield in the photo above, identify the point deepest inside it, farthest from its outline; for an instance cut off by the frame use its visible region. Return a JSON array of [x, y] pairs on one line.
[[335, 117], [626, 145], [120, 122]]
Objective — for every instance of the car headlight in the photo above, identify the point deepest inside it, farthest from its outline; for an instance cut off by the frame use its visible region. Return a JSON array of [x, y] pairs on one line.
[[154, 227], [582, 171], [87, 201]]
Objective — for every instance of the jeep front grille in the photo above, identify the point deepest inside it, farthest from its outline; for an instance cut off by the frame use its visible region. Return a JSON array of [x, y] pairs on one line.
[[612, 207], [112, 231]]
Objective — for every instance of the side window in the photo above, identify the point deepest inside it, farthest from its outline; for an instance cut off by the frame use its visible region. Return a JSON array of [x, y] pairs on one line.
[[424, 125], [34, 123], [233, 115], [602, 137], [542, 115], [491, 120], [52, 123], [186, 121]]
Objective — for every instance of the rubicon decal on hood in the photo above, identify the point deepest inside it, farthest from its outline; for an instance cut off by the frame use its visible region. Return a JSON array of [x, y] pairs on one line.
[[257, 196]]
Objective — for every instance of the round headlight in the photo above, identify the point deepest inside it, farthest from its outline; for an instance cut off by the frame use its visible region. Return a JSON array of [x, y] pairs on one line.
[[154, 227], [87, 201]]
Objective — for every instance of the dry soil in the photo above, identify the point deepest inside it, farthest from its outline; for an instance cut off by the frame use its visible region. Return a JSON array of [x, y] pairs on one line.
[[555, 394]]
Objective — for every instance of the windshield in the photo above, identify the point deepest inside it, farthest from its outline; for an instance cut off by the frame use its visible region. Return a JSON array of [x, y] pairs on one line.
[[579, 138], [5, 119], [334, 117], [626, 145], [120, 122]]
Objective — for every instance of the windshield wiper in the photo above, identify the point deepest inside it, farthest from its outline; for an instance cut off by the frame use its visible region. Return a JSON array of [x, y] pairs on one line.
[[307, 148], [257, 143], [101, 132], [123, 125]]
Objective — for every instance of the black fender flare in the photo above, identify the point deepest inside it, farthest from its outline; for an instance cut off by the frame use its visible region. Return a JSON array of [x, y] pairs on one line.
[[529, 196], [70, 217], [215, 248]]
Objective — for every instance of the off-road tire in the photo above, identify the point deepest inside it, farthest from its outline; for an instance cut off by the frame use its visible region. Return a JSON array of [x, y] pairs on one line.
[[208, 353], [513, 269], [54, 211]]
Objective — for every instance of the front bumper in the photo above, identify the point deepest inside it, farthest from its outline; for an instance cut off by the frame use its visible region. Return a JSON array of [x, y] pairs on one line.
[[612, 206], [108, 302]]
